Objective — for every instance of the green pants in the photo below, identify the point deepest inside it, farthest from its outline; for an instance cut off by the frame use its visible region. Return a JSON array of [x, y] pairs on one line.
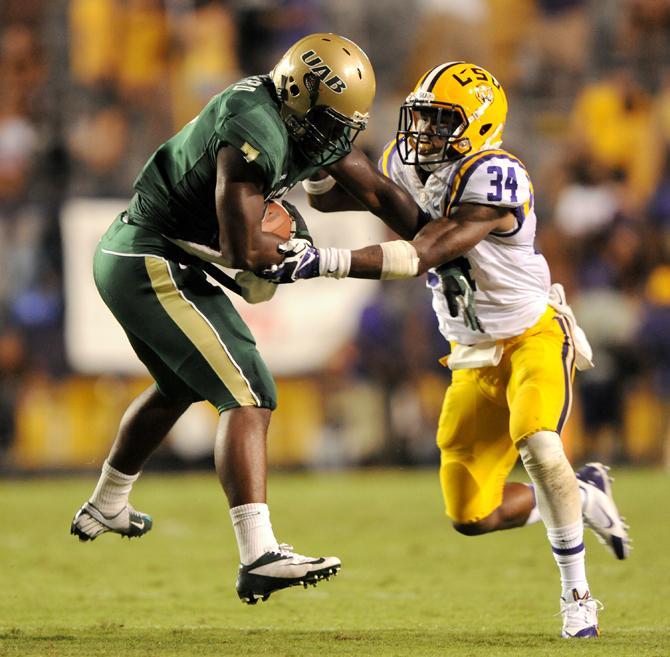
[[182, 327]]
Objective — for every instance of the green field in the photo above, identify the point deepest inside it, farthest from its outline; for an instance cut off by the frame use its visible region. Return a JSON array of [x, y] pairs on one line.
[[409, 585]]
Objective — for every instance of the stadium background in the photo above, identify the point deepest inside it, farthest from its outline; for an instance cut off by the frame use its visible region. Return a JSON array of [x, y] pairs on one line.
[[88, 89]]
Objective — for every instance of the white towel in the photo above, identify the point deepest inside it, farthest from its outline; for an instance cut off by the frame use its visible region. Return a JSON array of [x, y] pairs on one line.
[[583, 351]]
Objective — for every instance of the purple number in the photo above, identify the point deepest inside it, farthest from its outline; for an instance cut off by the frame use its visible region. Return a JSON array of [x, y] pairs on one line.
[[511, 184], [497, 183]]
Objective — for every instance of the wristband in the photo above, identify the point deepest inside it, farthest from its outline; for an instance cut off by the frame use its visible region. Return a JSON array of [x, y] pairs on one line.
[[318, 187], [334, 263]]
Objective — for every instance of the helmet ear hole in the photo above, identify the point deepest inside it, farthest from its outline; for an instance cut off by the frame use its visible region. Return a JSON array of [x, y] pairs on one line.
[[485, 128], [294, 90]]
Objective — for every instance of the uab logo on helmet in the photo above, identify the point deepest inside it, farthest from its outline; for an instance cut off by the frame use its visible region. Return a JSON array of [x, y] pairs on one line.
[[323, 71]]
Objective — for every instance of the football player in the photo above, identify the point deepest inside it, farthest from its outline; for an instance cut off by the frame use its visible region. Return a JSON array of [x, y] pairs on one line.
[[201, 197], [514, 341]]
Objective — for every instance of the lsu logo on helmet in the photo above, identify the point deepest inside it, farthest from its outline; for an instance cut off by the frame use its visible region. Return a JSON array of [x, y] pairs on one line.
[[455, 109]]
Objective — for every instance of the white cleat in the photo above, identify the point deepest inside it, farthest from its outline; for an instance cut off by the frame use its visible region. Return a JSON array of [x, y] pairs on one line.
[[280, 569], [88, 523], [580, 616], [599, 510]]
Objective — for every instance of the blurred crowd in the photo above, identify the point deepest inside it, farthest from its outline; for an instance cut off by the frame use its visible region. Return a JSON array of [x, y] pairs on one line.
[[88, 88]]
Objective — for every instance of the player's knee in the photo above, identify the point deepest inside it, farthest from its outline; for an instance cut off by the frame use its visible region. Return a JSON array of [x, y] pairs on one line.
[[542, 452], [555, 484]]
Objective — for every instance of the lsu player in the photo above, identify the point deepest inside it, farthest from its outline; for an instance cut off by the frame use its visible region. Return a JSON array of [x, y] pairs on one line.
[[201, 197], [514, 340]]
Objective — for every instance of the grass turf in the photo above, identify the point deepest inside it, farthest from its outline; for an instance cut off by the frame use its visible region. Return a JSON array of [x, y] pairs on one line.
[[409, 584]]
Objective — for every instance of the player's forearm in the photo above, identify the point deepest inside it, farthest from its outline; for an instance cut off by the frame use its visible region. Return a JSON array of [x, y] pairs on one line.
[[335, 200], [324, 194], [392, 205], [399, 258], [379, 194], [256, 253], [366, 262], [388, 260], [397, 209], [245, 245]]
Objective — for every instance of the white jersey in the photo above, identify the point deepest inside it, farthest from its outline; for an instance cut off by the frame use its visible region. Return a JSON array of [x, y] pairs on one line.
[[512, 279]]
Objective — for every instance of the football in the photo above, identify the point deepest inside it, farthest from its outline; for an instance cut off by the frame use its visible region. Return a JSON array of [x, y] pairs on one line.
[[277, 220]]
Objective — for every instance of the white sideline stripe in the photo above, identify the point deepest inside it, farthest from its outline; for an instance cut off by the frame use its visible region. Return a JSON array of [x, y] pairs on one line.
[[132, 255]]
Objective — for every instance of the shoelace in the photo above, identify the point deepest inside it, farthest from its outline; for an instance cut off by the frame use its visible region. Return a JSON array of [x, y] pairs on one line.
[[287, 550], [574, 609]]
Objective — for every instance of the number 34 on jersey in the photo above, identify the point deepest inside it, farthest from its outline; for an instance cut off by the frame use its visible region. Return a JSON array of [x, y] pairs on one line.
[[491, 178]]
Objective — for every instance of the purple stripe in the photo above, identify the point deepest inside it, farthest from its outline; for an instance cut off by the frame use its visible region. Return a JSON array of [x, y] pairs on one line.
[[566, 374], [567, 551], [532, 490], [520, 218], [380, 164], [452, 177], [391, 161]]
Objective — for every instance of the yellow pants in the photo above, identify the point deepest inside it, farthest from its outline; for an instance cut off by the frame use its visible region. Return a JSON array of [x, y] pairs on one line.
[[488, 410]]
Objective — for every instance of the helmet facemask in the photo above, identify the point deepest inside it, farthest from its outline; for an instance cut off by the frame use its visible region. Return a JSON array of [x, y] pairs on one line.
[[323, 133], [430, 133]]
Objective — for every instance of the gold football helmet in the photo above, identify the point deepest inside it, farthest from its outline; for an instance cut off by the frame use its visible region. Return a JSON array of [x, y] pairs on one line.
[[455, 109], [326, 86]]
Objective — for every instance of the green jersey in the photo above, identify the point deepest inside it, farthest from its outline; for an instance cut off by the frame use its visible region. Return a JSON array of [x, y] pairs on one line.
[[174, 193]]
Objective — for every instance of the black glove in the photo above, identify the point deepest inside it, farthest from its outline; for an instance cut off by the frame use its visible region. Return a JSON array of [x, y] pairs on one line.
[[460, 295], [299, 228]]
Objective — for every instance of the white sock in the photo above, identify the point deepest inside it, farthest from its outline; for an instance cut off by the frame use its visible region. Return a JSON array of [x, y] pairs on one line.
[[111, 494], [560, 504], [567, 544], [253, 531], [534, 515]]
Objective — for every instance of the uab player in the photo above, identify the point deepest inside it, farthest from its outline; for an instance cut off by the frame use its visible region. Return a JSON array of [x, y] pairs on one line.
[[514, 341], [201, 196]]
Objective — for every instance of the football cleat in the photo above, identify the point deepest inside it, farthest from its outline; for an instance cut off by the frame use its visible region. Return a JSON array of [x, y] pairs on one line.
[[580, 616], [599, 510], [88, 523], [280, 569]]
